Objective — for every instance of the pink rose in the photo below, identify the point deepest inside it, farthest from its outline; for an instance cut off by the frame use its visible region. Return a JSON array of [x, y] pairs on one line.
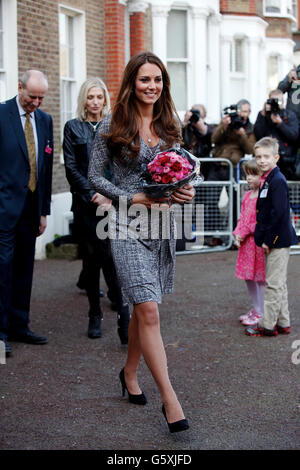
[[159, 169], [179, 175]]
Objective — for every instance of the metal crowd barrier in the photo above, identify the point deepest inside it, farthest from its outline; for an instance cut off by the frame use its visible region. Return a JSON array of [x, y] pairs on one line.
[[294, 192], [209, 215]]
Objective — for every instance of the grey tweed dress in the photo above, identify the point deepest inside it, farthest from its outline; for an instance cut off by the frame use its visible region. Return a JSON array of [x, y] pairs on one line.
[[145, 265]]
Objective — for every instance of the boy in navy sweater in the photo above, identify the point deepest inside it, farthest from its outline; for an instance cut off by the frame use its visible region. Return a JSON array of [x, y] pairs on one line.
[[275, 234]]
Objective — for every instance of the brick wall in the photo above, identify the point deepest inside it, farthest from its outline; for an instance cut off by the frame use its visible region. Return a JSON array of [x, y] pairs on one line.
[[114, 45], [279, 28], [137, 33], [38, 47], [247, 7]]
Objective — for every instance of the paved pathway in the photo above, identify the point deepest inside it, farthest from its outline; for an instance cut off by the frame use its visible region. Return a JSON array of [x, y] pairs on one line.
[[237, 392]]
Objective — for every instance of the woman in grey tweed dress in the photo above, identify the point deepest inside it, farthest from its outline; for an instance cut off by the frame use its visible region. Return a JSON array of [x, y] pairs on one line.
[[142, 124]]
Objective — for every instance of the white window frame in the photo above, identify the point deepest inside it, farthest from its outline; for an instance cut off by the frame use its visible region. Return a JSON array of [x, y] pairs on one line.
[[127, 34], [79, 58], [285, 9], [294, 7], [9, 69], [186, 60], [276, 4], [277, 57], [2, 53], [232, 67]]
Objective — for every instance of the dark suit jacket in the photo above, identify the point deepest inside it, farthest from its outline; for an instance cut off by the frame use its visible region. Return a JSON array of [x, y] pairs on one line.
[[273, 220], [14, 164]]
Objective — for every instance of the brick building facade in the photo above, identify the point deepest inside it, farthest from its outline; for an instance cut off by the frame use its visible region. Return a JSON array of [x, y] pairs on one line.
[[39, 47], [216, 51]]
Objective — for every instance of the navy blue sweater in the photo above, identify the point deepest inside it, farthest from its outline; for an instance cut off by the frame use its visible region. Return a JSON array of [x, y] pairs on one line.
[[273, 220]]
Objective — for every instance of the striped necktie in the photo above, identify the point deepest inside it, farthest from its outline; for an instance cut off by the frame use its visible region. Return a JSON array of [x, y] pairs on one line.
[[31, 152]]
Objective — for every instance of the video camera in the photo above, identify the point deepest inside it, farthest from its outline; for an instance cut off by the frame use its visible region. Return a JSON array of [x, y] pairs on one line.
[[273, 106], [196, 115], [236, 120]]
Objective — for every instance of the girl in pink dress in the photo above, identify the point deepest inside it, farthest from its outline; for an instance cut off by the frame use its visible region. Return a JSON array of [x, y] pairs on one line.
[[250, 264]]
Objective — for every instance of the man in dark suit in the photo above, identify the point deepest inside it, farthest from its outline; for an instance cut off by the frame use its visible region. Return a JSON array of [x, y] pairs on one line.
[[26, 157]]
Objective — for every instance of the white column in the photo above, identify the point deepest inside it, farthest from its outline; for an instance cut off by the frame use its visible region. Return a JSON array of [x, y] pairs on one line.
[[199, 56], [286, 63], [262, 82], [137, 6], [213, 84], [225, 71], [253, 72], [159, 31]]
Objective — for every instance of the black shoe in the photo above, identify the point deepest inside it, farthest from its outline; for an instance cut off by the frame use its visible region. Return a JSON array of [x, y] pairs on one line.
[[177, 426], [28, 338], [135, 399], [123, 335], [95, 327], [123, 323], [8, 350]]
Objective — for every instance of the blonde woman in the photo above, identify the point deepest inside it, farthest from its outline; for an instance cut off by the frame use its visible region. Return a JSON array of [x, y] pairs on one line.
[[79, 133]]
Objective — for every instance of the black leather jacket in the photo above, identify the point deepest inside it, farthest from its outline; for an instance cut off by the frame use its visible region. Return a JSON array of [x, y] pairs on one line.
[[77, 146]]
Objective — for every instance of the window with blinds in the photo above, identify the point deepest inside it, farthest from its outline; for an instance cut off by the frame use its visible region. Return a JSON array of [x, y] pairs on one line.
[[67, 72], [177, 56], [237, 56], [2, 67], [273, 6]]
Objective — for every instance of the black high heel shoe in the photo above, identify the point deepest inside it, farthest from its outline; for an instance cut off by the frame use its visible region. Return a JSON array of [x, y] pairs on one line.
[[135, 399], [177, 426]]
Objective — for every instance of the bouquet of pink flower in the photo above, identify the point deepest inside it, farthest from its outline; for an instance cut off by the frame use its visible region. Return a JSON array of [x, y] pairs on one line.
[[168, 171]]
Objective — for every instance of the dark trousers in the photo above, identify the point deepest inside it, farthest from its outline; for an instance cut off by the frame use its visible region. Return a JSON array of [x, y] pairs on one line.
[[96, 255], [17, 249]]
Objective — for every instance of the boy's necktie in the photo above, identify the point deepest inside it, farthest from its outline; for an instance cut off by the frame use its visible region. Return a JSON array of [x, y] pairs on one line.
[[31, 152]]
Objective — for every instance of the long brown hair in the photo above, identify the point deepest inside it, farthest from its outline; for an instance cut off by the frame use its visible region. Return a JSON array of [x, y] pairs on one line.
[[124, 130]]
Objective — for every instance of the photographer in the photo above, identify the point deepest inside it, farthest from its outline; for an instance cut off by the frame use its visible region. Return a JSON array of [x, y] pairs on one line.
[[291, 85], [276, 121], [196, 132], [234, 137]]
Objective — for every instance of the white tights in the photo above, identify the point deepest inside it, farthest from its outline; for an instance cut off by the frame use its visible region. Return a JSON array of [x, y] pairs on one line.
[[256, 291]]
